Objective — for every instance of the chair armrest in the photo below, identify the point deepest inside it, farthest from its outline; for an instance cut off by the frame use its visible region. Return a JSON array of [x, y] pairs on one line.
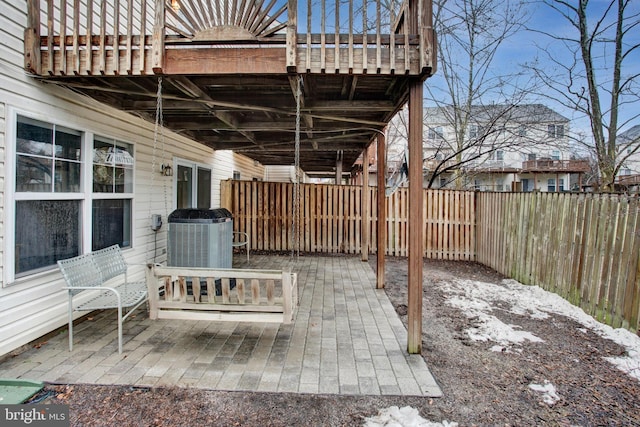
[[242, 242]]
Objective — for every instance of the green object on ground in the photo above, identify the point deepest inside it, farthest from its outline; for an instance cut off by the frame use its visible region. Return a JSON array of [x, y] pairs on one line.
[[17, 391]]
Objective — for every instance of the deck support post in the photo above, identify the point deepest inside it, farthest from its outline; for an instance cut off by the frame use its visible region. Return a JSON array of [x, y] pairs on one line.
[[292, 36], [414, 337], [381, 211], [157, 43], [32, 38], [365, 207]]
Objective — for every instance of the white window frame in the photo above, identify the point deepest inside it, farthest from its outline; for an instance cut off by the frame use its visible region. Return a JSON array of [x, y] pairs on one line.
[[435, 132], [194, 176], [85, 195], [555, 131]]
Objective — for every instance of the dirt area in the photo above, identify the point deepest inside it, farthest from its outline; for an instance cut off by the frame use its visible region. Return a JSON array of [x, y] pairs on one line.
[[480, 386]]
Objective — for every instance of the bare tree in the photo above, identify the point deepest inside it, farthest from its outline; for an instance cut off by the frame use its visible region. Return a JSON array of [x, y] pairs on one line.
[[593, 74], [471, 34]]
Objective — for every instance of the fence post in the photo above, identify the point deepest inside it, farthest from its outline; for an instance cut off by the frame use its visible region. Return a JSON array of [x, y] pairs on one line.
[[365, 207], [382, 213]]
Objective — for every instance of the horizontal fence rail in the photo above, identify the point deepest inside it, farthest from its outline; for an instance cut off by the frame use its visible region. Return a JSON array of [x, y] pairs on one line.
[[331, 219]]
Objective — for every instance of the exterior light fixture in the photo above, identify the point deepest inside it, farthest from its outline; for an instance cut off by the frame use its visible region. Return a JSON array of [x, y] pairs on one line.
[[166, 170], [175, 5]]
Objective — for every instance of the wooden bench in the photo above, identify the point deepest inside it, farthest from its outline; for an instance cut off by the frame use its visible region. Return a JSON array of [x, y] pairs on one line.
[[89, 279], [240, 295]]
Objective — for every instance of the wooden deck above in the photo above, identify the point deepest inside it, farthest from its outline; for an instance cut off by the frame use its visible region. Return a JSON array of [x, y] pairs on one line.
[[231, 68]]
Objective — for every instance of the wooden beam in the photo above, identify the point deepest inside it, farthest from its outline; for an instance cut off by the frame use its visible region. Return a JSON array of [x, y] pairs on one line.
[[338, 105], [292, 35], [230, 60], [414, 336], [157, 43], [338, 179], [365, 207], [32, 38], [382, 212]]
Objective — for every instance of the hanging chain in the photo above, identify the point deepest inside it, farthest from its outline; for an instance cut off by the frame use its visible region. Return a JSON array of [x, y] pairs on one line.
[[295, 246], [165, 184], [156, 130]]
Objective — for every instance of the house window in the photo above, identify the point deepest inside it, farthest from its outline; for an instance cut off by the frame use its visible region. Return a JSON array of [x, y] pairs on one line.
[[551, 185], [112, 166], [193, 186], [531, 156], [499, 155], [112, 174], [45, 231], [561, 184], [522, 130], [48, 157], [111, 220], [555, 155], [236, 175], [435, 132], [475, 131], [50, 196], [555, 131]]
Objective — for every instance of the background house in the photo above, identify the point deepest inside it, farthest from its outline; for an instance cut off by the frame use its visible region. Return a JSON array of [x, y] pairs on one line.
[[628, 177], [500, 148]]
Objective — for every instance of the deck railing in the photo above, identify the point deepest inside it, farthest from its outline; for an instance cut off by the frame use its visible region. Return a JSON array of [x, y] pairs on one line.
[[549, 165], [85, 37]]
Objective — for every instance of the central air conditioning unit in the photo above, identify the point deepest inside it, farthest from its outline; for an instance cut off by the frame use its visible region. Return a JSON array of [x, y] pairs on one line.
[[200, 238]]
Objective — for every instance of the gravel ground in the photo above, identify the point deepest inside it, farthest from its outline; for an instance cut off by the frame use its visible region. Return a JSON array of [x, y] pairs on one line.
[[480, 386]]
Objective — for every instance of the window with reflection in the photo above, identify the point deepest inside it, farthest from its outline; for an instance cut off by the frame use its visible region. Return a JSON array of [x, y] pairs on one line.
[[112, 166], [49, 194], [48, 157]]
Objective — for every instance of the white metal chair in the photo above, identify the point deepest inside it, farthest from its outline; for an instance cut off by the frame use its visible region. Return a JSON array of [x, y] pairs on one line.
[[241, 239]]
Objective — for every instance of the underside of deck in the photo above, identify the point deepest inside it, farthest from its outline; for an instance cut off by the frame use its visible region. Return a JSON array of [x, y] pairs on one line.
[[256, 114], [231, 70]]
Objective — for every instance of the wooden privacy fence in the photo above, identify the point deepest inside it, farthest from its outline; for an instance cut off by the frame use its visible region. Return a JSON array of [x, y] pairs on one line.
[[331, 219], [584, 247]]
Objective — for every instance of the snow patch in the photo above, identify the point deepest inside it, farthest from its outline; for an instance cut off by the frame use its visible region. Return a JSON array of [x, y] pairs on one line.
[[406, 416], [477, 300], [548, 390]]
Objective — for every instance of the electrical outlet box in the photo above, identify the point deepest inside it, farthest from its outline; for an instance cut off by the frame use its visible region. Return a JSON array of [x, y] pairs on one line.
[[156, 222]]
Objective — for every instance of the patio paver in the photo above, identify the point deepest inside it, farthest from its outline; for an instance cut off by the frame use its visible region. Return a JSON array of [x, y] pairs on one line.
[[346, 339]]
